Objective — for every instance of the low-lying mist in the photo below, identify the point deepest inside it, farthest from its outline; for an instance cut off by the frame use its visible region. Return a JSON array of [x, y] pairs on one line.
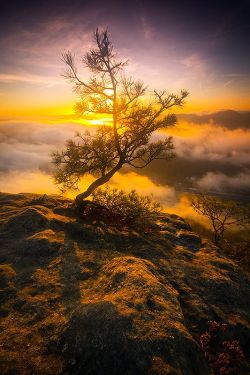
[[210, 157]]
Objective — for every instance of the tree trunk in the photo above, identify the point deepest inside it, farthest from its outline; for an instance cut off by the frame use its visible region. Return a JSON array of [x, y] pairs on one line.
[[100, 181]]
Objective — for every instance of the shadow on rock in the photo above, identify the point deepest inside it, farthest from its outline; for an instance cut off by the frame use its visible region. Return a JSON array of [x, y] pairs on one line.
[[96, 342]]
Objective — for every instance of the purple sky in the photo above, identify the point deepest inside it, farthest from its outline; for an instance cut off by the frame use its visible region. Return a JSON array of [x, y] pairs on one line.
[[196, 45]]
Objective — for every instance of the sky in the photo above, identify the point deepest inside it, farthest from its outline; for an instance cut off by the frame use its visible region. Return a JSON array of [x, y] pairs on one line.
[[200, 46]]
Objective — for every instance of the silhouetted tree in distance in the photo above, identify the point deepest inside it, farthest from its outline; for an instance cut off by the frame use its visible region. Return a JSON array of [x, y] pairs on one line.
[[128, 140], [221, 214]]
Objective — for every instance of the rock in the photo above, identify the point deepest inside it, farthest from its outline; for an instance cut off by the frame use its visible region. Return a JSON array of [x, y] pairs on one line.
[[44, 243], [179, 224], [96, 342], [113, 301], [42, 200], [85, 274], [174, 221], [27, 221], [6, 294], [46, 201], [169, 235], [94, 211], [190, 239], [7, 273], [6, 198], [133, 319], [65, 210]]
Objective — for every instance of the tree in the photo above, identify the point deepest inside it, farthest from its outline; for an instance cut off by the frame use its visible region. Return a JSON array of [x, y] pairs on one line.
[[222, 214], [134, 120]]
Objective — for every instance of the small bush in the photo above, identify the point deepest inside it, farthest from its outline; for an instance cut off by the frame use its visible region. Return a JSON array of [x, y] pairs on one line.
[[225, 357], [128, 208]]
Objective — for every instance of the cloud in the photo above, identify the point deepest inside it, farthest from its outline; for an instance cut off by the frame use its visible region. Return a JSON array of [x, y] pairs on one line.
[[208, 157], [182, 207], [235, 75], [228, 119], [26, 182], [203, 148], [211, 142], [195, 62], [223, 183], [30, 78], [25, 162], [143, 185], [27, 146], [148, 31], [38, 49], [198, 71], [37, 133]]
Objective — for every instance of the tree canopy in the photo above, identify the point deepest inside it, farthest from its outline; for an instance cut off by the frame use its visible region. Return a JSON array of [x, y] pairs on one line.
[[134, 119]]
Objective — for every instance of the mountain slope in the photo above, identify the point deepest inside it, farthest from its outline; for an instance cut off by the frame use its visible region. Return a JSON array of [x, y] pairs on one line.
[[228, 118]]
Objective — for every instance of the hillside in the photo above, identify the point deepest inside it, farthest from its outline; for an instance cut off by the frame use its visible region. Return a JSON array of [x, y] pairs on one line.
[[228, 118], [82, 297]]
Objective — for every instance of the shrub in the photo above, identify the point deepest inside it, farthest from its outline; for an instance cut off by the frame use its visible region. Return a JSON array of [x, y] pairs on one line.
[[128, 208], [225, 357]]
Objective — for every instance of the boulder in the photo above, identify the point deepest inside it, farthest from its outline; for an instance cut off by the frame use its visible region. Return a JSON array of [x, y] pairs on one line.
[[189, 239], [27, 221], [96, 341], [133, 319], [44, 243]]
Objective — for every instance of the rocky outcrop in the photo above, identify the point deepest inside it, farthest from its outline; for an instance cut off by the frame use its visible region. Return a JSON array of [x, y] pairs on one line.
[[129, 317], [94, 299], [27, 221]]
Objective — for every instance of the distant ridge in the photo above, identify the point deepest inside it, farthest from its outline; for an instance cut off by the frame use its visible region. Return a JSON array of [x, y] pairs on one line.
[[229, 118]]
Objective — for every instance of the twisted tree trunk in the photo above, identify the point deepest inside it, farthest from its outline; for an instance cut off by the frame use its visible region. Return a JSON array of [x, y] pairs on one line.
[[100, 181]]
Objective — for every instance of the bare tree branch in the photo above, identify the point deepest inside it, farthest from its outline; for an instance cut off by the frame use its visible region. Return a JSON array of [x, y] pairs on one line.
[[222, 214]]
